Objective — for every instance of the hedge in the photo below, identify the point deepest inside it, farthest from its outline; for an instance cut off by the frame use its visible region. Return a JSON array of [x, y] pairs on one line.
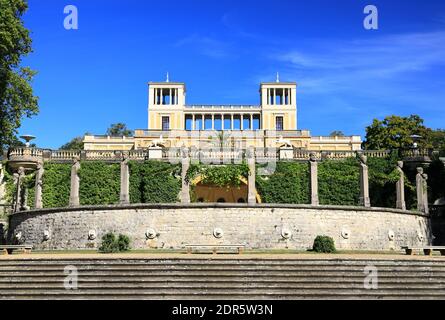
[[99, 183], [56, 185], [154, 182], [288, 184], [338, 182]]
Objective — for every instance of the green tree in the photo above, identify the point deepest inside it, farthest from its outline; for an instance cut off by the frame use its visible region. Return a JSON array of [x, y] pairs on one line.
[[119, 130], [16, 95], [75, 144], [337, 133], [396, 132]]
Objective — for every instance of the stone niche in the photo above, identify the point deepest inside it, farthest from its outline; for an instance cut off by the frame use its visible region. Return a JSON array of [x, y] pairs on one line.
[[260, 226]]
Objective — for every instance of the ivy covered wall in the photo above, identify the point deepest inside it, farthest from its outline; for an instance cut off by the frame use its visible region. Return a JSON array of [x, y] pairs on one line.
[[154, 182], [288, 184], [99, 183], [338, 182], [56, 185]]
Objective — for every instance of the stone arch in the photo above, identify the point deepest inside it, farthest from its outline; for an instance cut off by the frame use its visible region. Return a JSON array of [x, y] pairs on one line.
[[243, 180]]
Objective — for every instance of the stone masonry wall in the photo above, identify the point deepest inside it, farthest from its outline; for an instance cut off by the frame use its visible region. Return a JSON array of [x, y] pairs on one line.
[[259, 226]]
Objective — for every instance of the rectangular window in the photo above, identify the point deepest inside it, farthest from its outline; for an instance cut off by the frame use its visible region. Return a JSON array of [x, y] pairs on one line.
[[165, 123], [279, 123]]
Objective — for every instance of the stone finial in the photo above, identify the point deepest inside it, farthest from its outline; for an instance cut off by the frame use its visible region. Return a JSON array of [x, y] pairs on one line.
[[363, 159], [312, 157]]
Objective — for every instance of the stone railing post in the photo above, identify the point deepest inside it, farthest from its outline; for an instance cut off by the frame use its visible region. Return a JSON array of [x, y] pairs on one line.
[[400, 187], [314, 179], [185, 185], [251, 189], [364, 182], [125, 182], [18, 177], [38, 204], [422, 191], [75, 183]]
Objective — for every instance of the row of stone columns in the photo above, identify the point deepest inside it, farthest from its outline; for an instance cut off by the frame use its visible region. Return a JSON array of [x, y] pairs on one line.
[[421, 185], [21, 194]]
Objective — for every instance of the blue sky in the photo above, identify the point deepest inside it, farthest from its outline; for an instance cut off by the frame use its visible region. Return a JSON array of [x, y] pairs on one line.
[[347, 75]]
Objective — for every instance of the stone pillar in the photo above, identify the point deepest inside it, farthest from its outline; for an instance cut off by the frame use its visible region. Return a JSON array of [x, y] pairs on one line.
[[38, 204], [422, 191], [314, 179], [251, 189], [185, 187], [222, 121], [400, 187], [125, 182], [364, 182], [18, 177], [75, 183]]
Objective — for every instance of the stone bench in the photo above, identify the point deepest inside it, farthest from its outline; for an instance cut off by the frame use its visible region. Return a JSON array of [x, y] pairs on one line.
[[426, 250], [8, 249], [215, 248]]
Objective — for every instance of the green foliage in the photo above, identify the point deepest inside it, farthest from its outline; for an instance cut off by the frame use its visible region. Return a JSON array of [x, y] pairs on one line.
[[395, 132], [123, 243], [109, 243], [75, 144], [324, 244], [338, 182], [16, 95], [436, 180], [29, 182], [154, 182], [119, 130], [288, 184], [337, 133], [112, 245], [56, 185], [383, 176], [8, 180], [221, 176], [99, 183]]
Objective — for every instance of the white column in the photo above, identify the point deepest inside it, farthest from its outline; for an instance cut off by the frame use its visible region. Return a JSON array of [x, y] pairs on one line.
[[274, 96], [231, 122], [241, 118], [222, 121], [251, 121], [169, 96], [203, 126], [213, 121], [193, 121]]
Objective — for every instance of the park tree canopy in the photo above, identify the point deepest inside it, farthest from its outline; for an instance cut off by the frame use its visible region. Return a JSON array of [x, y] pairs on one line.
[[396, 132], [16, 95]]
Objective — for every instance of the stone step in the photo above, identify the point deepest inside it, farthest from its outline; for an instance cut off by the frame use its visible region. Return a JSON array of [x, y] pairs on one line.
[[167, 285]]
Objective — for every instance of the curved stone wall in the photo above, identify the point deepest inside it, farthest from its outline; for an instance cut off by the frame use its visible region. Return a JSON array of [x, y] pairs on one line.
[[259, 226]]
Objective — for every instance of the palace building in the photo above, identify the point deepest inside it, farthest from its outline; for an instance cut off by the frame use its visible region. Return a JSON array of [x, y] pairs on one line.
[[271, 123]]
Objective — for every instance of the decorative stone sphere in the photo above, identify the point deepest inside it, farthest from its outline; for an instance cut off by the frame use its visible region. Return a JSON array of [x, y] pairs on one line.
[[46, 235], [151, 233], [218, 233], [345, 233], [92, 235], [286, 233], [391, 235]]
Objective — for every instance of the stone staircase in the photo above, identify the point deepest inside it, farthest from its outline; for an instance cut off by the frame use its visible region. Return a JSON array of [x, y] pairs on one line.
[[222, 278]]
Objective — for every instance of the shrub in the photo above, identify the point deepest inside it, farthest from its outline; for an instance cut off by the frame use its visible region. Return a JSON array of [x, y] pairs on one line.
[[324, 244], [111, 245], [123, 243]]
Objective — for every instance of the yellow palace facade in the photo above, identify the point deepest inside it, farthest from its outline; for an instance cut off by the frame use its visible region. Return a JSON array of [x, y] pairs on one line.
[[271, 123]]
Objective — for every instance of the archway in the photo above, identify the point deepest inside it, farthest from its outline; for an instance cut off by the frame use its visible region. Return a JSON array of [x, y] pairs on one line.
[[213, 193]]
